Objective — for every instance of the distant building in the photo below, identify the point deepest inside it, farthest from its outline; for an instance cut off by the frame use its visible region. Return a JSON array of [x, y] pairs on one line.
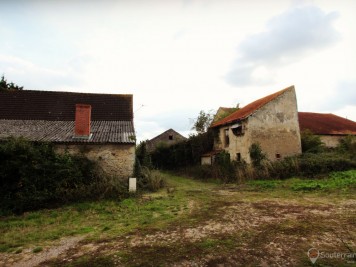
[[166, 138], [329, 127], [271, 121], [100, 126]]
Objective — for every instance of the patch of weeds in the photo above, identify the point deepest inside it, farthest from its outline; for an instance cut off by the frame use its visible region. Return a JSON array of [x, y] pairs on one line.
[[159, 255], [18, 251], [9, 247], [264, 184], [37, 249], [90, 261], [344, 181], [163, 255], [4, 247], [106, 228]]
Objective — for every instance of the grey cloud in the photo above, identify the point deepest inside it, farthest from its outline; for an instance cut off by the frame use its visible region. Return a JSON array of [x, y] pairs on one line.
[[287, 38], [344, 95], [32, 76]]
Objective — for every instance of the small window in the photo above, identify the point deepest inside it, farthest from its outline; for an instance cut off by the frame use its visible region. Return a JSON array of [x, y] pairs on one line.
[[170, 137], [237, 129], [238, 157], [278, 156], [227, 138]]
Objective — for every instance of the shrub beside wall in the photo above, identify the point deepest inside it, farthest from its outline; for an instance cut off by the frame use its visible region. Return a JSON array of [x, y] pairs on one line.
[[306, 165], [33, 176]]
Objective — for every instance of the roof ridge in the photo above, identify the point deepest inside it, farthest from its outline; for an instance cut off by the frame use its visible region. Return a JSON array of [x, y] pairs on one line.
[[66, 92]]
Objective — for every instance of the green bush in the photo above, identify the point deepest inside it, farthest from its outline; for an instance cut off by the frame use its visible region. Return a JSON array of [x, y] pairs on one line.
[[347, 145], [311, 143], [183, 154], [222, 169], [306, 165], [151, 180], [33, 176], [311, 165], [256, 155]]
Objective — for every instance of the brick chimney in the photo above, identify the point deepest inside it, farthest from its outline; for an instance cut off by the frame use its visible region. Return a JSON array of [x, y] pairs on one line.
[[82, 120]]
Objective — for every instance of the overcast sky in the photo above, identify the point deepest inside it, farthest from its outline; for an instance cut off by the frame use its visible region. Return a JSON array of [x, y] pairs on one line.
[[178, 57]]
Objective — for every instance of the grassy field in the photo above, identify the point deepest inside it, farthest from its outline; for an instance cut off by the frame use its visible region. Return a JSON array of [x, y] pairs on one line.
[[193, 223]]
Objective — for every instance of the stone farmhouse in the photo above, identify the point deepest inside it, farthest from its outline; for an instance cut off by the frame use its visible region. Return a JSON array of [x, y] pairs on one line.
[[100, 126], [329, 127], [167, 138], [271, 121]]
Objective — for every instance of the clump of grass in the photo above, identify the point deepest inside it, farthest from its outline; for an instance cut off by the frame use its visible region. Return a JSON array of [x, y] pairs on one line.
[[37, 249], [151, 180]]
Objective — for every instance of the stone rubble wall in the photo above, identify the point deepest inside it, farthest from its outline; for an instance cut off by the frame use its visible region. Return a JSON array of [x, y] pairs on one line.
[[114, 160]]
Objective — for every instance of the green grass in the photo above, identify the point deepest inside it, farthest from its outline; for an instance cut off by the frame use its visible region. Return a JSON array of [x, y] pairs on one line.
[[101, 219], [344, 181], [170, 209]]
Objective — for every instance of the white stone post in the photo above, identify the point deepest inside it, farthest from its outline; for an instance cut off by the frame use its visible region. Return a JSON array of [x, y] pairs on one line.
[[132, 184]]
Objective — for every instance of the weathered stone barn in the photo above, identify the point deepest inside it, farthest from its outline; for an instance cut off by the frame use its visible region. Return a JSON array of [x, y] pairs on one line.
[[167, 138], [329, 127], [98, 125], [271, 121]]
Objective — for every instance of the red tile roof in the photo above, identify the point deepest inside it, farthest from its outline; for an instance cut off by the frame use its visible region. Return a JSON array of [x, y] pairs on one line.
[[326, 124], [249, 109]]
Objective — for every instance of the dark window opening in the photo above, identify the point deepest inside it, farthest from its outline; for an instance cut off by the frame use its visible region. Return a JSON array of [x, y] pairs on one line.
[[238, 157], [227, 139], [237, 130], [170, 137], [278, 156]]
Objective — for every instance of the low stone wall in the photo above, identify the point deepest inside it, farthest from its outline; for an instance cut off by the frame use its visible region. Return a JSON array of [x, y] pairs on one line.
[[115, 160]]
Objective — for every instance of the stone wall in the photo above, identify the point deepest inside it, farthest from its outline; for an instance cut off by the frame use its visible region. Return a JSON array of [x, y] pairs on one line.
[[115, 160], [274, 126]]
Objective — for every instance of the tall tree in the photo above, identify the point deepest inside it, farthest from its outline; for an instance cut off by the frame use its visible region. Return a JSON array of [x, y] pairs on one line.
[[203, 122]]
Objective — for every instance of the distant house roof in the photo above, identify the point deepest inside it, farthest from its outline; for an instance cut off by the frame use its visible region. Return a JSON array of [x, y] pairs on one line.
[[169, 131], [164, 138], [248, 110], [49, 116], [326, 124]]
